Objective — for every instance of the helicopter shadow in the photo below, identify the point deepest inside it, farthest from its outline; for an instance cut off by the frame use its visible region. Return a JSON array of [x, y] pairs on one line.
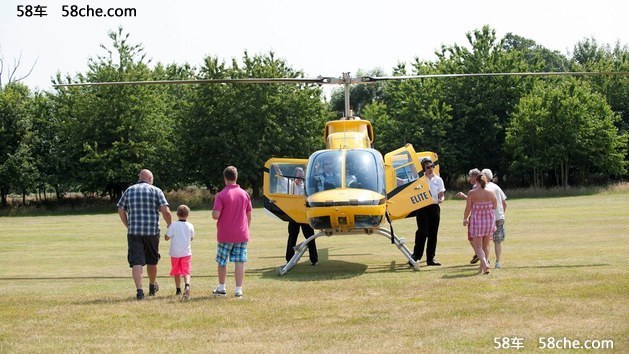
[[326, 269]]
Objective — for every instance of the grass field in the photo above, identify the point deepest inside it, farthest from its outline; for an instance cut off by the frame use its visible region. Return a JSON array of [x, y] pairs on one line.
[[65, 286]]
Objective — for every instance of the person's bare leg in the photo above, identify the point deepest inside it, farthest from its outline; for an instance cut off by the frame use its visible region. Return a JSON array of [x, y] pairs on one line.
[[239, 273], [486, 248], [480, 253], [486, 241], [136, 271], [222, 274], [151, 270], [498, 249]]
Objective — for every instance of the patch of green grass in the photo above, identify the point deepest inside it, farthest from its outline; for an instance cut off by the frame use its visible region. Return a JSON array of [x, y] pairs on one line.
[[65, 286]]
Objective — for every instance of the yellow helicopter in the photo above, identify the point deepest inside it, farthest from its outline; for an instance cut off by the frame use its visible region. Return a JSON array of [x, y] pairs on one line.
[[350, 188]]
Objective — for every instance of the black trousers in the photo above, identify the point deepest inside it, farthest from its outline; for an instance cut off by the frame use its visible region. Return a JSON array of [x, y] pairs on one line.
[[293, 232], [428, 219]]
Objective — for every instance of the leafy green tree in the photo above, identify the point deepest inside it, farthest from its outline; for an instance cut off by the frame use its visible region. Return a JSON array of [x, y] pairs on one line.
[[178, 100], [117, 130], [462, 119], [385, 127], [564, 129], [537, 57], [415, 114], [480, 106], [589, 55], [245, 124], [46, 147], [17, 169]]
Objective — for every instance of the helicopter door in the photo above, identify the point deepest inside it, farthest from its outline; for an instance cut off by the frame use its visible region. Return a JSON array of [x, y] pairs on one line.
[[407, 188], [284, 188], [430, 155]]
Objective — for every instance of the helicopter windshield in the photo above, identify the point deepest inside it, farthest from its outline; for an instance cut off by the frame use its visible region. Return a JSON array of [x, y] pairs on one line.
[[362, 169]]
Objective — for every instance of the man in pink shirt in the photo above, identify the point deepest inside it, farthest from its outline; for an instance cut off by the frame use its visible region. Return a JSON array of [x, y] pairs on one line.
[[232, 210]]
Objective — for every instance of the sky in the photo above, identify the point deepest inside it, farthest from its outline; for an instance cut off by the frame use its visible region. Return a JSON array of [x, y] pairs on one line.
[[321, 37]]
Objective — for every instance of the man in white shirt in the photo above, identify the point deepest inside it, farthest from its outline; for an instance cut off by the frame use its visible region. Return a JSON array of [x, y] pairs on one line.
[[428, 217], [501, 197]]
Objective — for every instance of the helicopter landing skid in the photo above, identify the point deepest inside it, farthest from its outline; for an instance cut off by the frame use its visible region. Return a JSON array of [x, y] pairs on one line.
[[302, 247]]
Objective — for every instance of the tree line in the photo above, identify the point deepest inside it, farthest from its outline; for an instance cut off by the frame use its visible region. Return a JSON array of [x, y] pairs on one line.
[[533, 131]]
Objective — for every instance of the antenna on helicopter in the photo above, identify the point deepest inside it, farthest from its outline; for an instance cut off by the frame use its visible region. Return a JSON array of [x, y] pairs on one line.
[[347, 80]]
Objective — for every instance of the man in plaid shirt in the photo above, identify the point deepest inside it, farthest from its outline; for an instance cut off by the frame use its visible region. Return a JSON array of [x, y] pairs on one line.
[[139, 209]]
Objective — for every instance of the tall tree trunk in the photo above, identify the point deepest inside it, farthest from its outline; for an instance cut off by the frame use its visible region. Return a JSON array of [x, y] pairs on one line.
[[255, 188], [3, 195], [566, 174]]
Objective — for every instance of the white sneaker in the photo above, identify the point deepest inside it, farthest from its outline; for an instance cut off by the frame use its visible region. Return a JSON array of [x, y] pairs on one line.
[[238, 295], [498, 265], [217, 292]]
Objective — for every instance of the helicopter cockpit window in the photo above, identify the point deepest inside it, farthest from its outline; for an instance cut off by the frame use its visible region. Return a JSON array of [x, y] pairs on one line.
[[287, 178], [325, 173], [404, 168], [361, 169]]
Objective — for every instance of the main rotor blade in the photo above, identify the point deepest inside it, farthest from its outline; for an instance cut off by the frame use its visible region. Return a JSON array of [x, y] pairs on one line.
[[318, 80], [371, 79], [334, 81]]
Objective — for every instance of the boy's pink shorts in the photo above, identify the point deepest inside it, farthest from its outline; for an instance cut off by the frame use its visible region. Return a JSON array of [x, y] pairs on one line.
[[180, 265]]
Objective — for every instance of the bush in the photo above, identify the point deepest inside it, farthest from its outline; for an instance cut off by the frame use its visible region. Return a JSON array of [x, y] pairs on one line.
[[192, 196]]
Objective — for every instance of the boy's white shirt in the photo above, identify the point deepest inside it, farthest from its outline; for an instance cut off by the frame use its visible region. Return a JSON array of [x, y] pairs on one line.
[[180, 233]]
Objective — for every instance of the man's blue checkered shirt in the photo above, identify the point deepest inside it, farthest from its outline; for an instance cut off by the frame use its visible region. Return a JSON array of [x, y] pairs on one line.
[[142, 201]]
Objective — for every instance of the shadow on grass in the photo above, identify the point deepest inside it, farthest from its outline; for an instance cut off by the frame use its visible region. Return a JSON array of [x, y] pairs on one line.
[[327, 270], [168, 298], [392, 267], [472, 269]]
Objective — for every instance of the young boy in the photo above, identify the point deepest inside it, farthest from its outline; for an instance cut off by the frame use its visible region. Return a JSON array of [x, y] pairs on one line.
[[181, 232]]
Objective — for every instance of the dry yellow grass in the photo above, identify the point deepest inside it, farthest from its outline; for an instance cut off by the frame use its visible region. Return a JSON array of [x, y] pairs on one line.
[[65, 287]]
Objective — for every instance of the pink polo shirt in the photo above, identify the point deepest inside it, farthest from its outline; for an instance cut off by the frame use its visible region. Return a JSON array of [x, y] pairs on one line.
[[233, 203]]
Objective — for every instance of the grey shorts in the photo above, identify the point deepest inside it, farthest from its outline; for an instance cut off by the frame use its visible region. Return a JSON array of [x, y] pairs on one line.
[[499, 234]]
